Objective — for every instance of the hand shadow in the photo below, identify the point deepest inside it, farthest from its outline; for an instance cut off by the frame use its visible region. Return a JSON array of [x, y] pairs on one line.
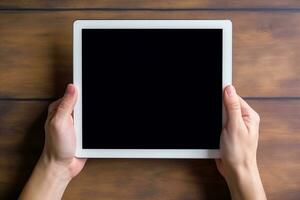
[[25, 152], [28, 149], [62, 71], [211, 184]]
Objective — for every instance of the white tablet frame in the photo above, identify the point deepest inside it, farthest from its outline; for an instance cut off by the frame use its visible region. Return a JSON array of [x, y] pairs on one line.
[[78, 25]]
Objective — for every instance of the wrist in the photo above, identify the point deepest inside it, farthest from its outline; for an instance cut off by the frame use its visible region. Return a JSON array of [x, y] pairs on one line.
[[48, 181], [240, 173], [53, 169], [245, 183], [246, 173]]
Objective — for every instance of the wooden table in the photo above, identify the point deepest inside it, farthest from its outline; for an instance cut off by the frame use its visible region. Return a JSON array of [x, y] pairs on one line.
[[36, 65]]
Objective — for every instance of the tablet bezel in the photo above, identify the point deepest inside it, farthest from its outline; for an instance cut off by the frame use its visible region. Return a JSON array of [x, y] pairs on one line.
[[78, 25]]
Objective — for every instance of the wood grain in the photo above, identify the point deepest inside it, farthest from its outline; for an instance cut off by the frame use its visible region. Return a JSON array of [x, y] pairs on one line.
[[21, 140], [151, 4], [36, 50], [21, 135]]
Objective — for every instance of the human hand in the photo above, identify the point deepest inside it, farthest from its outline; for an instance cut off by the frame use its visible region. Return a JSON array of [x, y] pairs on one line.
[[57, 164], [60, 141], [238, 145]]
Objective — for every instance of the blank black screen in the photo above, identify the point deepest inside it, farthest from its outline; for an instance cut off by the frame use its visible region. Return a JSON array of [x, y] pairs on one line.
[[151, 88]]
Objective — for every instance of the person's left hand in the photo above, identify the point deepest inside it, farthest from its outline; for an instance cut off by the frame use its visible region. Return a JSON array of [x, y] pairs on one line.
[[57, 164], [60, 141]]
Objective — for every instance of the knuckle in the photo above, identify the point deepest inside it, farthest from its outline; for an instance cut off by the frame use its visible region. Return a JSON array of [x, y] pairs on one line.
[[234, 105], [256, 117], [53, 106], [63, 106], [54, 123]]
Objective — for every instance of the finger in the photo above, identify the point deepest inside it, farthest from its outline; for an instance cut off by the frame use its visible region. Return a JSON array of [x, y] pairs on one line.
[[232, 105], [68, 101], [249, 115], [53, 106], [218, 163], [246, 110], [51, 109]]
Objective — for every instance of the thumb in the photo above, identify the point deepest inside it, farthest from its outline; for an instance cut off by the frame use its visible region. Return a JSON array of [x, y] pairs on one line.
[[232, 104], [68, 101]]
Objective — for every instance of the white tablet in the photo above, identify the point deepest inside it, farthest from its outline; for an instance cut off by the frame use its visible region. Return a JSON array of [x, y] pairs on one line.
[[150, 88]]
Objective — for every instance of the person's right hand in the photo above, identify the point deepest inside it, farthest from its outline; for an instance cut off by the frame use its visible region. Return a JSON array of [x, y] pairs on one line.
[[238, 145]]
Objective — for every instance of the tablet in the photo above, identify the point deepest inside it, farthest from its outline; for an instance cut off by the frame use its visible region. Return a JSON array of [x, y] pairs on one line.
[[150, 88]]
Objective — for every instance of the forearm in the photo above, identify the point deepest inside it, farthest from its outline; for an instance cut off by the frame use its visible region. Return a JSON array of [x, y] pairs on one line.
[[246, 184], [48, 181]]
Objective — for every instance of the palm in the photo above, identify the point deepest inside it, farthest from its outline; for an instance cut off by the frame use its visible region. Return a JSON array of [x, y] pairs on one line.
[[61, 141], [67, 148]]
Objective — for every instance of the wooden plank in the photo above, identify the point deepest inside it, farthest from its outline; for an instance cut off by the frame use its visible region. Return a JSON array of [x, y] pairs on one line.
[[279, 147], [36, 50], [21, 139], [21, 135], [151, 4]]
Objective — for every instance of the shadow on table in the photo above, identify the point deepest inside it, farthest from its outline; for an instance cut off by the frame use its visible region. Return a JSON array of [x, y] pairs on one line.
[[28, 151], [62, 71], [30, 148], [211, 183]]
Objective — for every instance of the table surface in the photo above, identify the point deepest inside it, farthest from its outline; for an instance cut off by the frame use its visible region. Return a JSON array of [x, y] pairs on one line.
[[36, 65]]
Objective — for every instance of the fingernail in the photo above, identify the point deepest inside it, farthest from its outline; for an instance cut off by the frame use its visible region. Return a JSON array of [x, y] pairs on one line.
[[70, 89], [230, 90]]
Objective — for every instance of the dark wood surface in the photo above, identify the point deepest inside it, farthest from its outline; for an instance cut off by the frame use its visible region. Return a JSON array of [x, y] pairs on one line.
[[36, 64], [265, 49], [278, 157], [151, 4]]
